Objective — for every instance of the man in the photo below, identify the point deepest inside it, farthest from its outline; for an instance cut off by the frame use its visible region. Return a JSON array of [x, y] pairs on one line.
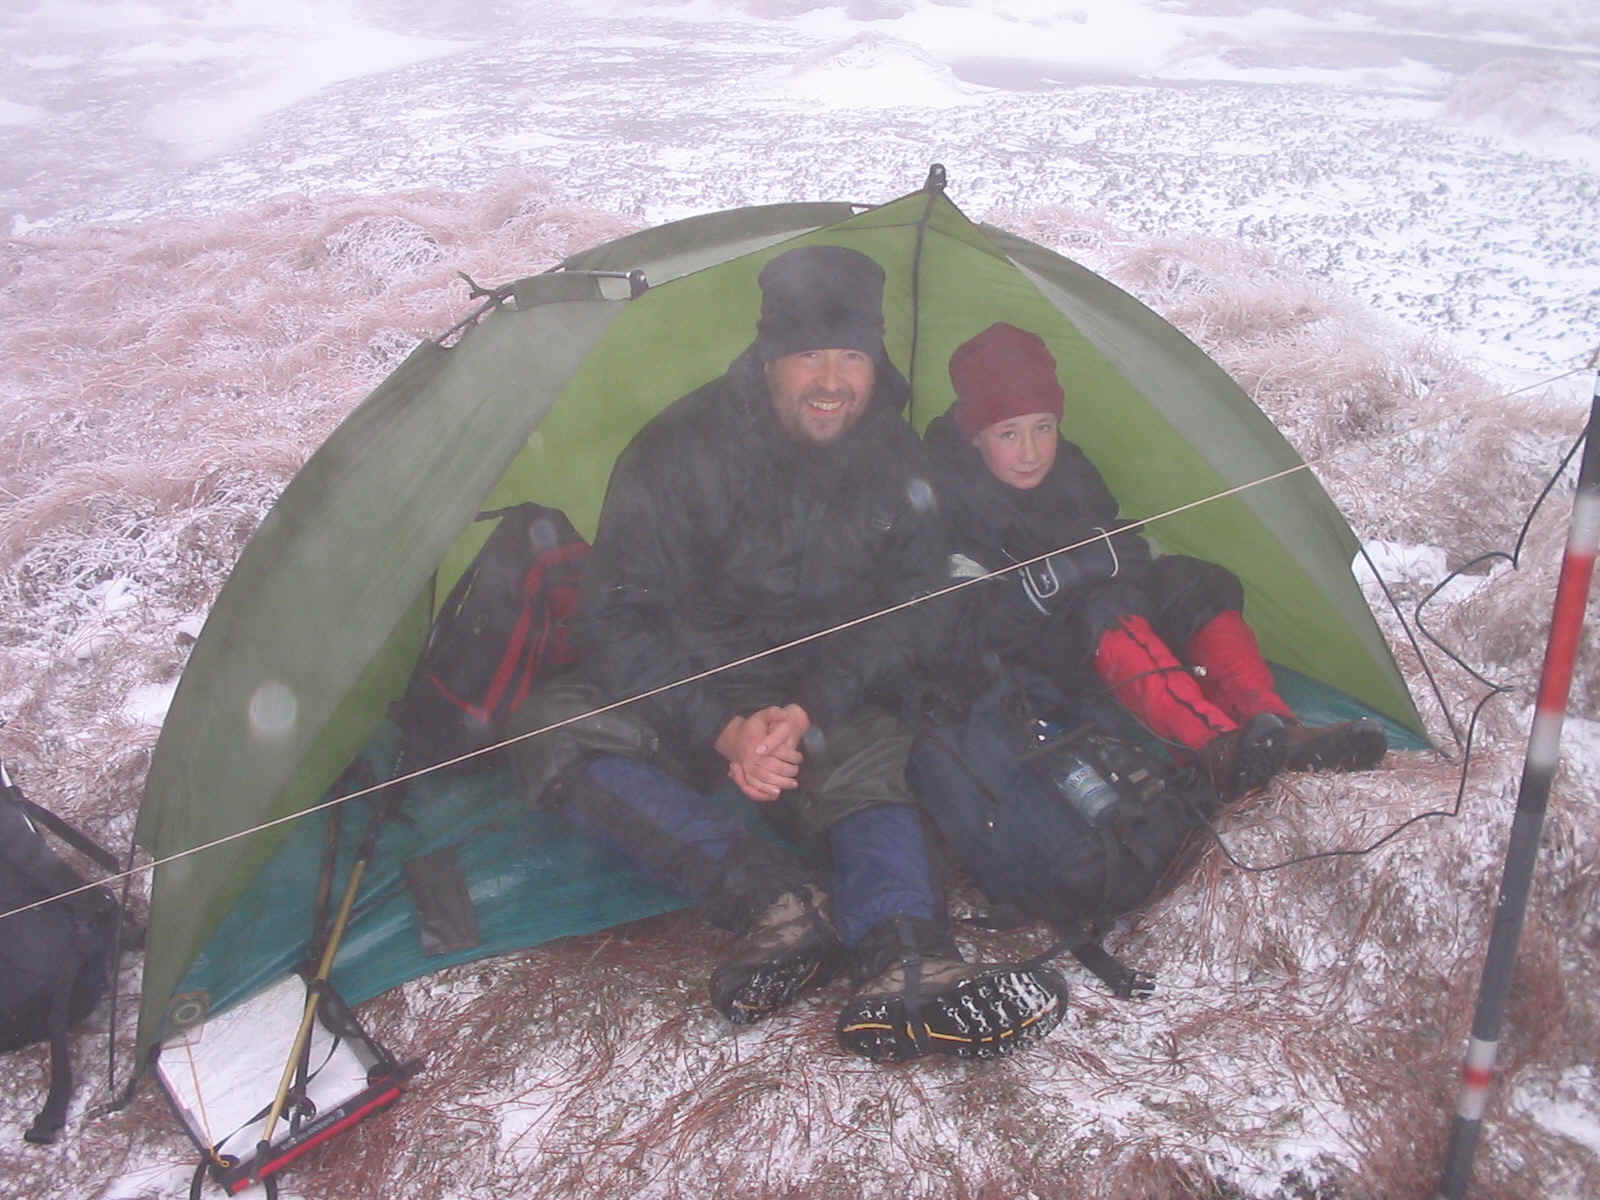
[[779, 500]]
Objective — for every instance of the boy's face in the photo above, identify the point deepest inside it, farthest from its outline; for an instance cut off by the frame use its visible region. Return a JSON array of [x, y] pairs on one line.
[[1021, 450]]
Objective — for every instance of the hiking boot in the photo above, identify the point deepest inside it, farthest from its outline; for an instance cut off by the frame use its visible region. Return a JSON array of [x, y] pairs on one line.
[[789, 947], [1242, 761], [1349, 746], [923, 999]]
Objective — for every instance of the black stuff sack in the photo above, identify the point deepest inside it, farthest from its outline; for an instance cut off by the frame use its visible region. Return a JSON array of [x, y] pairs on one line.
[[55, 959], [505, 624], [1055, 815]]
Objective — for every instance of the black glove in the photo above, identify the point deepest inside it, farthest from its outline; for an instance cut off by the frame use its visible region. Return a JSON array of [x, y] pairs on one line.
[[1049, 582]]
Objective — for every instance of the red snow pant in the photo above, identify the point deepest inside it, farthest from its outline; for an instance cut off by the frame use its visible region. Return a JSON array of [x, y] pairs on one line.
[[1196, 670]]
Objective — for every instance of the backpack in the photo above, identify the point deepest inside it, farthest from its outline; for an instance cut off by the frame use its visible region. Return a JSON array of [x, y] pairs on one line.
[[504, 624], [55, 960], [1057, 814]]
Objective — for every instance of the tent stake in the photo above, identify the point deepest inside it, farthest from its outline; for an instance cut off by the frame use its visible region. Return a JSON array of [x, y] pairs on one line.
[[1539, 767]]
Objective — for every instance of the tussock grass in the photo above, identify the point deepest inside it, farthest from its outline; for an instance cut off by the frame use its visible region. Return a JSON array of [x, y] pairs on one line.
[[162, 383]]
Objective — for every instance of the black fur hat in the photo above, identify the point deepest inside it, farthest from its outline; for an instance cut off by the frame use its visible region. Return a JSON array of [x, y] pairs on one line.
[[820, 298]]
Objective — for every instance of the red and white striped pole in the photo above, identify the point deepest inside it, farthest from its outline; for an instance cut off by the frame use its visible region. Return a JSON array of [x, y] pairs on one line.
[[1555, 684]]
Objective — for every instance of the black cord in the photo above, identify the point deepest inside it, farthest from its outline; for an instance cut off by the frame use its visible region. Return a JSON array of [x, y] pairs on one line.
[[1453, 811], [1495, 689], [1394, 605], [1512, 558]]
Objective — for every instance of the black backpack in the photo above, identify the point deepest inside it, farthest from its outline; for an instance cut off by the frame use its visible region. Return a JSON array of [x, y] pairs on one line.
[[505, 624], [1058, 813], [56, 959]]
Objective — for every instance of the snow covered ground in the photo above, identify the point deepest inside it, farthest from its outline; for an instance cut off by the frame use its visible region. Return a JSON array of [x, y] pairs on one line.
[[1416, 173]]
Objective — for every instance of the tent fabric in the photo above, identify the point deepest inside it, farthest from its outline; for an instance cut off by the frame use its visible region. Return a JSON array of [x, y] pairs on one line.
[[529, 876], [320, 622]]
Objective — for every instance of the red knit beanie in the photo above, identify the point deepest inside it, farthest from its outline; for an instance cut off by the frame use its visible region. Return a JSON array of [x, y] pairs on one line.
[[1002, 373]]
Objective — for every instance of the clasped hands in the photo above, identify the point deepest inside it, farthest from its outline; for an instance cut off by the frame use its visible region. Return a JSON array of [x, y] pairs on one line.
[[763, 750]]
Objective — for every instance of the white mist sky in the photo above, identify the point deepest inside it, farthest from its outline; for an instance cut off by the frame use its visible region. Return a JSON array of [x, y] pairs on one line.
[[245, 59]]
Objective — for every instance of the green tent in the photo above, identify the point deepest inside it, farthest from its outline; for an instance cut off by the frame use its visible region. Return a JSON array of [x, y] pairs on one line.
[[321, 621]]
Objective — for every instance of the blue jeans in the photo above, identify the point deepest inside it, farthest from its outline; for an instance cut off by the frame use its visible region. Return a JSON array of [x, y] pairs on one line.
[[703, 849]]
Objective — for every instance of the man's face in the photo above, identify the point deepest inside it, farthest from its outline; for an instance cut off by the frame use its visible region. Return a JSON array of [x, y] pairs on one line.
[[819, 394]]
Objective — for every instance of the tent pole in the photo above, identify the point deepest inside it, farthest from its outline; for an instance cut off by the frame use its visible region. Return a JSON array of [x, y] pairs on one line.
[[1539, 767], [934, 186]]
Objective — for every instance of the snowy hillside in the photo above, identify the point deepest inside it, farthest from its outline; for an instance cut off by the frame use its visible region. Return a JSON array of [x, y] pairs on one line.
[[1358, 164], [871, 71]]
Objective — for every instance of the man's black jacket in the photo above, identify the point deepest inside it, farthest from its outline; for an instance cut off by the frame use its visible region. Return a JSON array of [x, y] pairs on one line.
[[722, 537]]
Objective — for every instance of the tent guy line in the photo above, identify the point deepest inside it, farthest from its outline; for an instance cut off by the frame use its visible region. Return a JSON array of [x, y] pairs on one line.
[[336, 801], [666, 687]]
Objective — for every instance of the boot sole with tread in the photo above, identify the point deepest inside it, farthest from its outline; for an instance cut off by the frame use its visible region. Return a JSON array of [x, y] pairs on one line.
[[994, 1012]]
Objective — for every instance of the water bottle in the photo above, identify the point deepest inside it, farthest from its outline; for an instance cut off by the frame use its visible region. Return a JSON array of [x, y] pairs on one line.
[[1085, 788]]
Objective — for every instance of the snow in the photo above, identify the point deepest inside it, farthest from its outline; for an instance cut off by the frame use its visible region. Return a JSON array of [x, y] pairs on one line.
[[1106, 35], [1388, 151], [1421, 568], [12, 113], [311, 58], [148, 703], [871, 70], [1394, 560], [1571, 1110]]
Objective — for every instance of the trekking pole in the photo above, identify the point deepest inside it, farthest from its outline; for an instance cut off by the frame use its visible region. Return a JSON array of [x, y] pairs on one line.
[[1555, 684], [358, 866], [321, 912]]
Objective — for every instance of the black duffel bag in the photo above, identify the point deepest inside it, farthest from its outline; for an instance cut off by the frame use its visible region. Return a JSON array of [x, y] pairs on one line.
[[56, 958], [1055, 811]]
